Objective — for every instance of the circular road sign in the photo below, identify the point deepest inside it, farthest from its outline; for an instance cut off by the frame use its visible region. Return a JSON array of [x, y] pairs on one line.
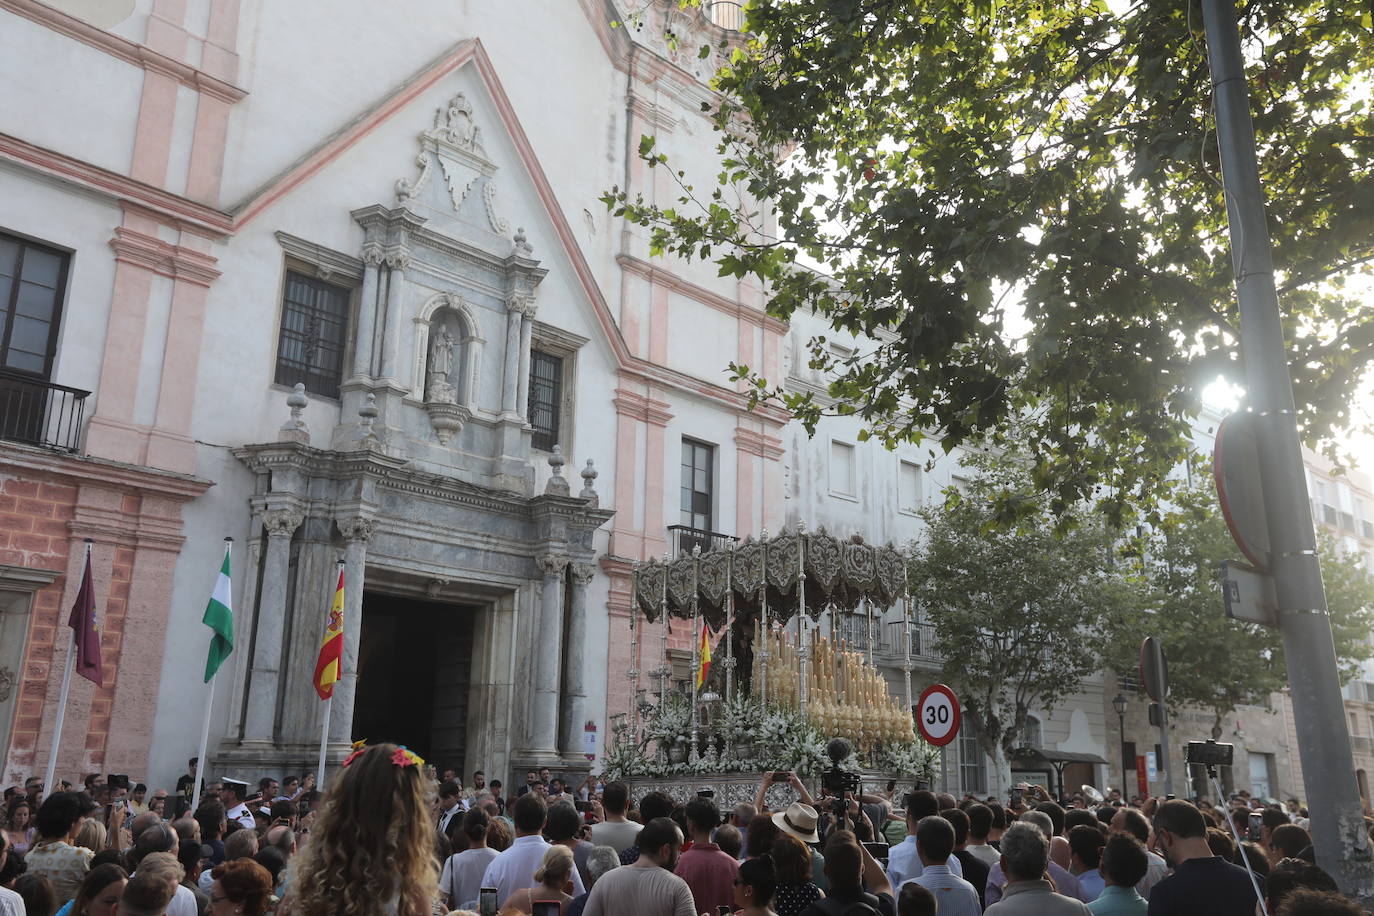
[[937, 715]]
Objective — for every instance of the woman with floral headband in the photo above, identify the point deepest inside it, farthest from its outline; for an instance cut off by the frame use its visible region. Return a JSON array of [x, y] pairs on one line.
[[371, 851]]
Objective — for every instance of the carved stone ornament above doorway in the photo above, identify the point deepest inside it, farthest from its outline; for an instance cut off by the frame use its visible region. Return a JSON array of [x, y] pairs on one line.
[[455, 144]]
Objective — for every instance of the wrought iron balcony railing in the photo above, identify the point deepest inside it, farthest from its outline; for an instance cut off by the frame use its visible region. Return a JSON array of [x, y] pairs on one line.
[[37, 412], [682, 539], [728, 14]]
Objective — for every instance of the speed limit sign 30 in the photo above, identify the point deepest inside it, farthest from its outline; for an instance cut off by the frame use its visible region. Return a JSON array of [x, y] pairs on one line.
[[937, 715]]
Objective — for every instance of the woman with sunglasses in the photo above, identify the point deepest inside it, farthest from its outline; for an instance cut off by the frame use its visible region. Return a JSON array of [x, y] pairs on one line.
[[754, 887]]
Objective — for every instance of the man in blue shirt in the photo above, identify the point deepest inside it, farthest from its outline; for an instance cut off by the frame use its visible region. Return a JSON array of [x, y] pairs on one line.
[[1085, 854], [953, 895], [1124, 863]]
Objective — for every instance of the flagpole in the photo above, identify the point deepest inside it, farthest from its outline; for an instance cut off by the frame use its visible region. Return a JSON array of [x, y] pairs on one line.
[[62, 697], [329, 700], [324, 744], [202, 762]]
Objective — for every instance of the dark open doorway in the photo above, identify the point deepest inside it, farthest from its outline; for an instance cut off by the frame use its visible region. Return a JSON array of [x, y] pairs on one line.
[[413, 662]]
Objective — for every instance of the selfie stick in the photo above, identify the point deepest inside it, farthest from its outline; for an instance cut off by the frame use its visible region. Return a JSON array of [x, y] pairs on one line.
[[1212, 775]]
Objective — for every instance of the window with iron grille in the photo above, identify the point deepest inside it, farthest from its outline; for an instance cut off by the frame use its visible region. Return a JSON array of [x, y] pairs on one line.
[[698, 459], [973, 773], [32, 281], [546, 398], [314, 328]]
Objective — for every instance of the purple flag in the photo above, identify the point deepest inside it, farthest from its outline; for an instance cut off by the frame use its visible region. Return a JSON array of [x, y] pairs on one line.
[[86, 630]]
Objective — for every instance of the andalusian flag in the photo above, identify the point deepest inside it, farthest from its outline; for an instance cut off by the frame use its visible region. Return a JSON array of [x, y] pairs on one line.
[[330, 664], [704, 665], [219, 617]]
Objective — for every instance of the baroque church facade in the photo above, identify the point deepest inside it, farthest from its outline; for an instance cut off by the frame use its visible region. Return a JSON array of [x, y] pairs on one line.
[[334, 281]]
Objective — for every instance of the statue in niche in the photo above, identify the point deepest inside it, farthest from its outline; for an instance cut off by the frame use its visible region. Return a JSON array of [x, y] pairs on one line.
[[438, 387]]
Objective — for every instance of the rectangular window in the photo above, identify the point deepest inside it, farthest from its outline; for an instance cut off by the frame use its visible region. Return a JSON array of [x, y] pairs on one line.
[[842, 480], [314, 328], [972, 770], [909, 486], [546, 398], [32, 281], [698, 461]]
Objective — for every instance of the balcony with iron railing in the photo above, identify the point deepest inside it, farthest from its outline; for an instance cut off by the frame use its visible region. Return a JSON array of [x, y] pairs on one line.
[[37, 412], [728, 14], [682, 538]]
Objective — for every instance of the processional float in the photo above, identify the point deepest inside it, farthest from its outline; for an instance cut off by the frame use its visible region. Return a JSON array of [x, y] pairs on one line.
[[777, 603]]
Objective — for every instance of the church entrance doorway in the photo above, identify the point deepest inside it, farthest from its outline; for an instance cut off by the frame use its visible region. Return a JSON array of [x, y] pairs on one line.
[[414, 657]]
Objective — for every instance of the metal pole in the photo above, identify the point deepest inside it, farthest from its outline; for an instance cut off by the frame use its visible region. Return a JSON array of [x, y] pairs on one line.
[[692, 756], [1163, 706], [803, 633], [1121, 752], [1338, 833]]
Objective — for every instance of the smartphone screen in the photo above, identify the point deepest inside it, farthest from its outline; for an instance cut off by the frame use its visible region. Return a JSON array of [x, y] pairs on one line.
[[486, 901]]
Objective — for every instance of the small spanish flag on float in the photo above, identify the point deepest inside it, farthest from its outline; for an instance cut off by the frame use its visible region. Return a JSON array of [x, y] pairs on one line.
[[329, 667], [704, 664]]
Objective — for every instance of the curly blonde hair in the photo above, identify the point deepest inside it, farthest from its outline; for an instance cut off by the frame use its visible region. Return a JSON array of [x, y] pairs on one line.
[[372, 843]]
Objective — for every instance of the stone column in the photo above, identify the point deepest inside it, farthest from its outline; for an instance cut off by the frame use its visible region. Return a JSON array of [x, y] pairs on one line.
[[365, 340], [357, 532], [260, 718], [522, 398], [391, 334], [575, 690], [544, 728], [510, 390]]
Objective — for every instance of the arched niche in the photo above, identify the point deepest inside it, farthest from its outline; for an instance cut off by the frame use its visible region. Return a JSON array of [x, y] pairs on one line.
[[448, 351]]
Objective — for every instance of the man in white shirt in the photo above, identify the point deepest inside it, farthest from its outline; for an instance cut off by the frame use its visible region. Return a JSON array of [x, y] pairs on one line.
[[615, 831], [236, 810], [903, 862], [11, 904], [934, 845], [513, 869]]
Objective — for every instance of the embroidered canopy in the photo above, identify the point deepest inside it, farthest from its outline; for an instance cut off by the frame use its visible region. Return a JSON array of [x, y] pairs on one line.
[[759, 573]]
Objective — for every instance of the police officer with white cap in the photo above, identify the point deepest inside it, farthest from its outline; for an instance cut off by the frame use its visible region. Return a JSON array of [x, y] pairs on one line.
[[237, 811]]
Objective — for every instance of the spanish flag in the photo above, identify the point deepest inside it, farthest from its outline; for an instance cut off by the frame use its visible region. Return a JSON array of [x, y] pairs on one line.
[[704, 664], [330, 664]]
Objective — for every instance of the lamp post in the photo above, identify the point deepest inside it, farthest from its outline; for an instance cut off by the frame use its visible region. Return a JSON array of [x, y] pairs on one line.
[[1119, 704]]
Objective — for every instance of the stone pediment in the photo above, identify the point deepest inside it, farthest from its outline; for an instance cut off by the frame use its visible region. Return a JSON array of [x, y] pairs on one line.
[[455, 182]]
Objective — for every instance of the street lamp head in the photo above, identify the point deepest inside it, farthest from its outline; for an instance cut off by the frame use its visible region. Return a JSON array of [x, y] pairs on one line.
[[1119, 704]]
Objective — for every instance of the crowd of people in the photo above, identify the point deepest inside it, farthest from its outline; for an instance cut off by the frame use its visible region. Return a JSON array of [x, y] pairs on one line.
[[393, 837]]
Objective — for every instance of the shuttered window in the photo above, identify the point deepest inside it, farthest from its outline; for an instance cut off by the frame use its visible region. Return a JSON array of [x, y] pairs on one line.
[[32, 281]]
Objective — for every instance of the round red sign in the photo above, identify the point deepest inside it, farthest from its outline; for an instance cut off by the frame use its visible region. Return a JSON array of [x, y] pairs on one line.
[[937, 715]]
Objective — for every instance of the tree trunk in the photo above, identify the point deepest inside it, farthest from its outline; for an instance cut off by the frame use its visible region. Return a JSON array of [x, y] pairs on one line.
[[999, 774]]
